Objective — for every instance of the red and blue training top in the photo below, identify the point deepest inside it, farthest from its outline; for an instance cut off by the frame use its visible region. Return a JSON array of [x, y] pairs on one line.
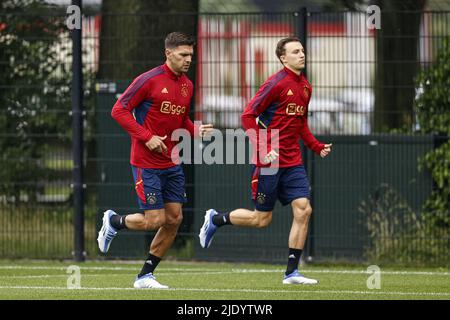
[[282, 103], [156, 103]]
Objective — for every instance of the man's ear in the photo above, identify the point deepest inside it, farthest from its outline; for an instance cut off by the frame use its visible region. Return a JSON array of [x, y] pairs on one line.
[[283, 59], [168, 52]]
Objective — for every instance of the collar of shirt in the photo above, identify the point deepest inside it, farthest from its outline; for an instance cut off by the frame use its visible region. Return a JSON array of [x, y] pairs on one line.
[[170, 73], [296, 77]]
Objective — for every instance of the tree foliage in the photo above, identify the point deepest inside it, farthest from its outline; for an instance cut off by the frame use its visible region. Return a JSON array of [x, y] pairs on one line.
[[133, 32], [433, 113], [34, 94]]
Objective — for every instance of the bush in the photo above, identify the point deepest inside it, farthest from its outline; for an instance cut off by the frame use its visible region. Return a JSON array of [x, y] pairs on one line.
[[433, 115], [35, 96], [400, 235]]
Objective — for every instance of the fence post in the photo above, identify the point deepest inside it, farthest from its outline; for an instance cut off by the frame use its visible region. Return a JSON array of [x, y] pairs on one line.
[[302, 31], [77, 144]]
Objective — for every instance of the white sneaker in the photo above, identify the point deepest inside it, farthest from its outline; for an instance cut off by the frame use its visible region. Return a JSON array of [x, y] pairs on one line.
[[148, 281], [297, 278], [208, 229], [107, 232]]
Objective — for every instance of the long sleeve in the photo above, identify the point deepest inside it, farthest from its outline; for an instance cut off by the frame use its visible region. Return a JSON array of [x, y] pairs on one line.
[[310, 141], [260, 102], [189, 126], [122, 110]]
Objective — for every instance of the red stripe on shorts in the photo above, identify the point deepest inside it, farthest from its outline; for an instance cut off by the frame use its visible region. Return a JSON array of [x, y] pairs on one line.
[[140, 186], [255, 179]]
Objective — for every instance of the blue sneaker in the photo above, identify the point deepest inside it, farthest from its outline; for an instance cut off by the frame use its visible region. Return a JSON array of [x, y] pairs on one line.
[[148, 281], [107, 232], [297, 278], [208, 229]]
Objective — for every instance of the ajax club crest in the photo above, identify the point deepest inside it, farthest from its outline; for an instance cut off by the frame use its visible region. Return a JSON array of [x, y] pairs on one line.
[[151, 198], [261, 198], [184, 90], [305, 92]]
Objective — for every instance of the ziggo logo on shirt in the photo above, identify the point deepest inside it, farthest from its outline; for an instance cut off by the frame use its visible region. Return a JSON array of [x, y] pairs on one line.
[[169, 108], [293, 109]]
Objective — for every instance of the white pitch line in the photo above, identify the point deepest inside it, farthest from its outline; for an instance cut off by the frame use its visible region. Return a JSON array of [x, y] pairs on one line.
[[60, 276], [123, 268], [184, 273], [63, 268], [108, 275], [443, 294], [428, 273], [95, 268], [232, 271], [35, 277]]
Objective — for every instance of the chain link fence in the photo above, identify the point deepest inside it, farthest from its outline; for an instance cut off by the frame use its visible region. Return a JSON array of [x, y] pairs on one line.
[[371, 180]]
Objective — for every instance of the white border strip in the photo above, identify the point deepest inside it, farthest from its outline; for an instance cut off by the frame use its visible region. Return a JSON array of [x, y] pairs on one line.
[[351, 292]]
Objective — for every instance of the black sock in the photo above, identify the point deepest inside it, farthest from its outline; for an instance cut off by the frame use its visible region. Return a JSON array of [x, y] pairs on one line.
[[118, 222], [294, 258], [149, 265], [221, 219]]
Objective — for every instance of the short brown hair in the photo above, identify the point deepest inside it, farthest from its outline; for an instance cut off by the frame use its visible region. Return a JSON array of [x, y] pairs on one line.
[[281, 49], [176, 39]]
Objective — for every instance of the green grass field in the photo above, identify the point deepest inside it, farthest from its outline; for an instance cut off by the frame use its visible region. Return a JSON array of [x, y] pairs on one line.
[[217, 281]]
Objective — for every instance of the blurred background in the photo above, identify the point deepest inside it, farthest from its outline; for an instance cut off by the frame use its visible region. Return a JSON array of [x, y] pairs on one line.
[[381, 96]]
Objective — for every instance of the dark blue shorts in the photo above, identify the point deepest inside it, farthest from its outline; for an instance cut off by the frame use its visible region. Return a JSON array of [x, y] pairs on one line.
[[287, 184], [155, 187]]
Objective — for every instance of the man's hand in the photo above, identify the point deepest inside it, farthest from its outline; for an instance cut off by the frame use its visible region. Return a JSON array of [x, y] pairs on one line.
[[205, 130], [271, 156], [156, 144], [326, 150]]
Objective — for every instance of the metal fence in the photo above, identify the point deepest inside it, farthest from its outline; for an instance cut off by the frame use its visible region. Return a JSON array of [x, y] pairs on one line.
[[234, 54]]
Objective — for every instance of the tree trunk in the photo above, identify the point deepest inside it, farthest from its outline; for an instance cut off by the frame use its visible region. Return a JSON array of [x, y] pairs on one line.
[[397, 63], [133, 33]]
